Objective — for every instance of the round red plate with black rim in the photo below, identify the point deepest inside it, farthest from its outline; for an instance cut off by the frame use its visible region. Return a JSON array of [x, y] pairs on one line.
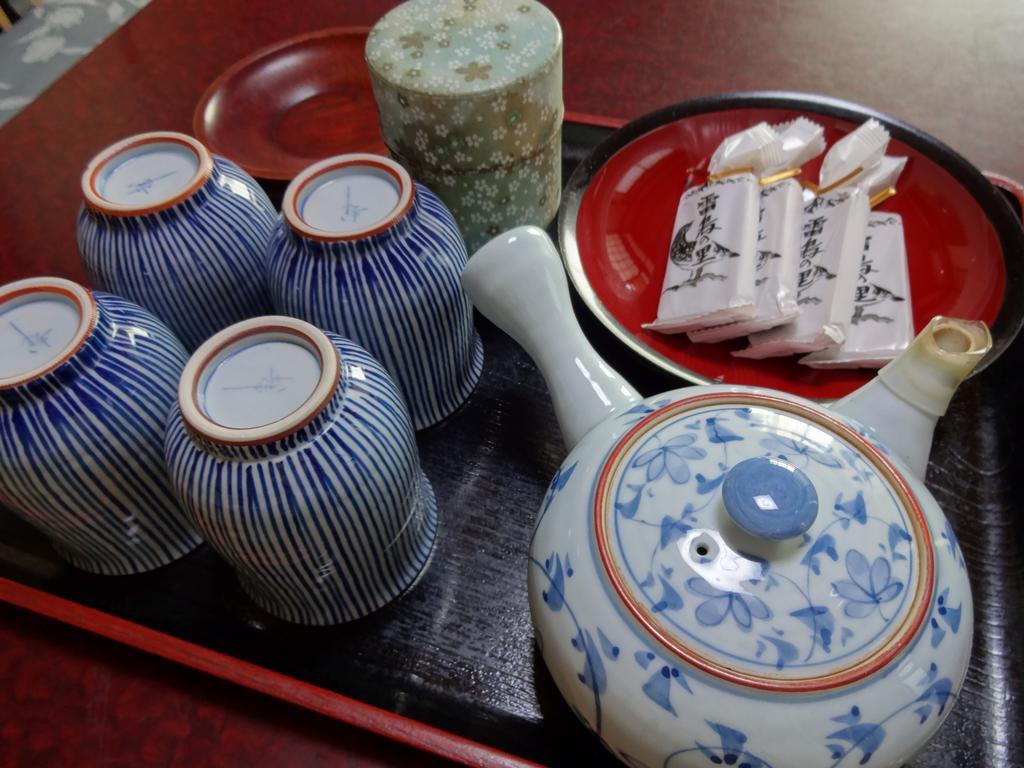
[[286, 106], [964, 242]]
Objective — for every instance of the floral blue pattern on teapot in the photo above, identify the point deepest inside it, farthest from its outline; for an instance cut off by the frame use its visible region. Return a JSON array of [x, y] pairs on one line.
[[729, 575]]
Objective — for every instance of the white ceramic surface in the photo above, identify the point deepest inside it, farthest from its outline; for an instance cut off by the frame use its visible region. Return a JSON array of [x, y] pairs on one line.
[[347, 197], [148, 173], [145, 172], [679, 623], [258, 383], [528, 303], [35, 330], [347, 200], [257, 380]]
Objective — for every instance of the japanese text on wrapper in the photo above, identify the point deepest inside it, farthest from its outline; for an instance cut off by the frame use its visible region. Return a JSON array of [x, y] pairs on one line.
[[809, 271], [694, 249], [870, 295], [763, 254], [694, 253]]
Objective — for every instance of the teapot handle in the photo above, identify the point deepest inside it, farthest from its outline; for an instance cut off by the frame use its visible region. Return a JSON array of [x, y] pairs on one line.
[[517, 282]]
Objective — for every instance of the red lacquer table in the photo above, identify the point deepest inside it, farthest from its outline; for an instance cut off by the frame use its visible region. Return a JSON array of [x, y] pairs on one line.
[[67, 698]]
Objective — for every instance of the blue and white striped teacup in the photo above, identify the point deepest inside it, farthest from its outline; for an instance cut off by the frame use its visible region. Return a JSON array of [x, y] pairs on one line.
[[86, 380], [364, 252], [178, 230], [292, 452]]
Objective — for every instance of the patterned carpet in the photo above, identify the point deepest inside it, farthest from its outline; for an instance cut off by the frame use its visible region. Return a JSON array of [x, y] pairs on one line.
[[40, 40]]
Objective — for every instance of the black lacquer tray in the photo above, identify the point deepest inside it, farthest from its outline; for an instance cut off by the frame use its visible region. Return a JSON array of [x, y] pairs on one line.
[[456, 652]]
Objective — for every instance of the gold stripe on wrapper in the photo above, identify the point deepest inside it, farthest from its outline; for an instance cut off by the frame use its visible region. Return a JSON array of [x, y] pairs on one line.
[[780, 176], [727, 174], [881, 197], [835, 185]]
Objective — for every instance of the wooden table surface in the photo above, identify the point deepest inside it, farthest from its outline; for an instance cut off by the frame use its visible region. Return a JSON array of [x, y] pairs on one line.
[[951, 68]]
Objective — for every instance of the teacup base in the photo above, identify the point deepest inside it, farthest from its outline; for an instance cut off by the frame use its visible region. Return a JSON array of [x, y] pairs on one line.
[[313, 618], [125, 566]]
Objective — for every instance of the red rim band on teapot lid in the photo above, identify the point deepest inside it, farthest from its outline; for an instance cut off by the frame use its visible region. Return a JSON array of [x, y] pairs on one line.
[[348, 197], [43, 323], [258, 381], [146, 173], [873, 615]]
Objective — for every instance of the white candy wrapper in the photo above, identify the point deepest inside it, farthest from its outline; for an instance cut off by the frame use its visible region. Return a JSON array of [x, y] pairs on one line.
[[834, 223], [853, 155], [802, 140], [882, 323], [880, 182], [709, 279], [778, 240], [833, 237]]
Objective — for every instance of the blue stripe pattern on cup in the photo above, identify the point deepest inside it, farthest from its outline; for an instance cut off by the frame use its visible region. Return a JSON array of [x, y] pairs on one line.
[[326, 523], [81, 446], [198, 265], [397, 293]]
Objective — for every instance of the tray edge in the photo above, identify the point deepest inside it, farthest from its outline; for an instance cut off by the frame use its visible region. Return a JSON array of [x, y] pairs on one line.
[[336, 706]]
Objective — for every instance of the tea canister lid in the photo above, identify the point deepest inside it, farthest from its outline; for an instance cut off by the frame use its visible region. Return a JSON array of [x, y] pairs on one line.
[[466, 85], [258, 381], [457, 47], [763, 541], [43, 322], [145, 173]]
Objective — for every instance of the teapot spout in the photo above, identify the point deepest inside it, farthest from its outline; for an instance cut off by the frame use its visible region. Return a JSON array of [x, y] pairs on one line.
[[902, 404]]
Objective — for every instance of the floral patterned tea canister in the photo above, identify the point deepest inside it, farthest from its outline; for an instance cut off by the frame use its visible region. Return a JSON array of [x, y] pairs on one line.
[[470, 100]]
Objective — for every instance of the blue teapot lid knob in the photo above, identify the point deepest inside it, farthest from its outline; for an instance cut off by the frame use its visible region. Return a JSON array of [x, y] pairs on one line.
[[770, 498]]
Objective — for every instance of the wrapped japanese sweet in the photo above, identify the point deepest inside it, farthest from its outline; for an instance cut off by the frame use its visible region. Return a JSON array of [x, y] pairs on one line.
[[833, 231], [778, 238], [710, 279], [881, 324]]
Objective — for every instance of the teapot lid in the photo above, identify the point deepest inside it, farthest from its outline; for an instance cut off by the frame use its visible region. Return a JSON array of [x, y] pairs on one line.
[[763, 541]]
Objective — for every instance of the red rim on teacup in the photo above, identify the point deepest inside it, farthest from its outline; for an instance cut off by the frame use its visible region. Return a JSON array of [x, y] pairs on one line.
[[197, 160], [194, 398], [23, 292], [387, 184]]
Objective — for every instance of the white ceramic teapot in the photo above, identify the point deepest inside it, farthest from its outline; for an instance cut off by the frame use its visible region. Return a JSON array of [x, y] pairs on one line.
[[727, 575]]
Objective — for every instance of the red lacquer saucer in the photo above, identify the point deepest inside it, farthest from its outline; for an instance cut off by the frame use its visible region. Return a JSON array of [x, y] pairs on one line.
[[286, 106], [964, 242]]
